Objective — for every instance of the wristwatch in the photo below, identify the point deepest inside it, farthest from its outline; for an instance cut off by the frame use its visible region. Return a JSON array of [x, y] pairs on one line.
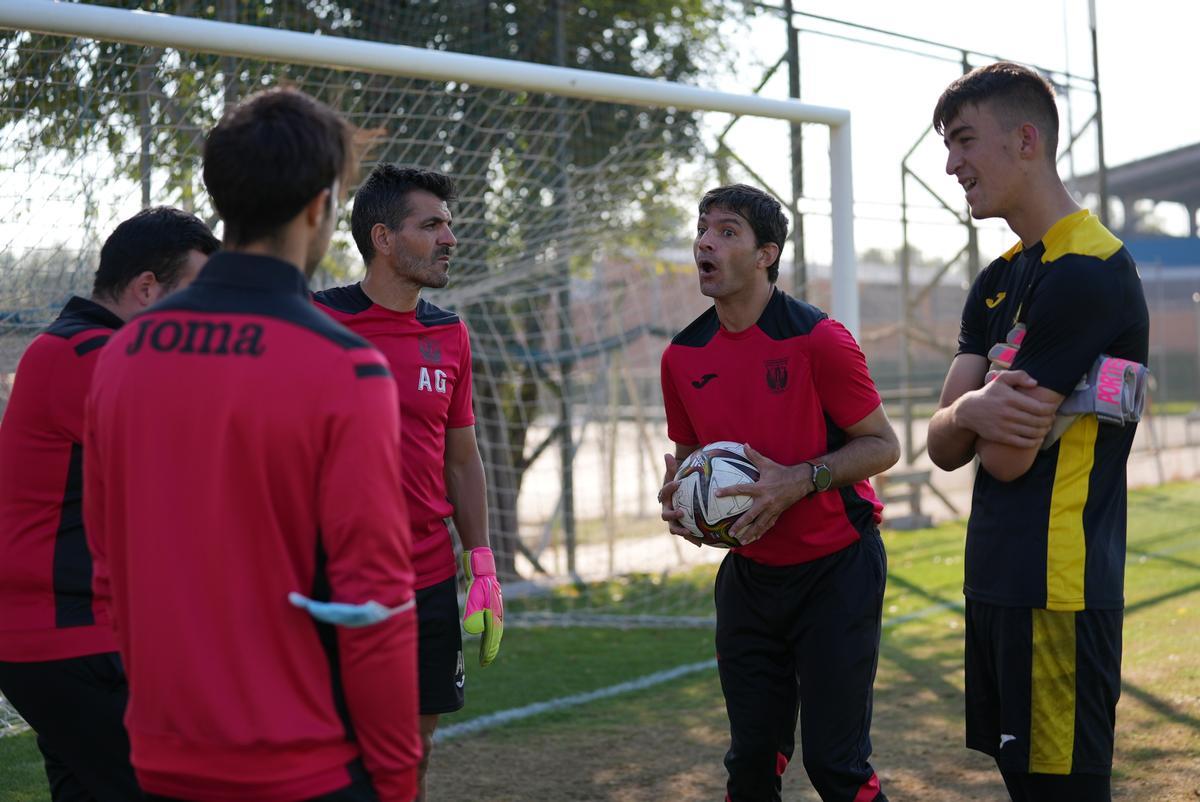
[[822, 477]]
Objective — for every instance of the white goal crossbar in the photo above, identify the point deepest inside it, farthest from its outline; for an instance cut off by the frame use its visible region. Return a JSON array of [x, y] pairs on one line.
[[225, 38]]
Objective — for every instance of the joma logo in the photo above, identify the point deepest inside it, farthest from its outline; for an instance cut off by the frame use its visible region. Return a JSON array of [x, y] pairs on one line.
[[198, 337]]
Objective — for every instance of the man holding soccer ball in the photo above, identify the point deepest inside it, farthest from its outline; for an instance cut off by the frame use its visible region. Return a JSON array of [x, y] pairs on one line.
[[799, 602]]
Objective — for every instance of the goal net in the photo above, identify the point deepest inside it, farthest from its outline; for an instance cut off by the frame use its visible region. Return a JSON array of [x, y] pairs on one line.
[[574, 265]]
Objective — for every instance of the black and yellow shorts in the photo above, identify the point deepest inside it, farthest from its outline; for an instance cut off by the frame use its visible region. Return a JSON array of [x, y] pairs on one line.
[[1042, 687]]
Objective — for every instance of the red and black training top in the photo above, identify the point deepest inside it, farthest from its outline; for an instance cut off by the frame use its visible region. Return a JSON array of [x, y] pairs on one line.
[[242, 445], [790, 385], [429, 353], [46, 607]]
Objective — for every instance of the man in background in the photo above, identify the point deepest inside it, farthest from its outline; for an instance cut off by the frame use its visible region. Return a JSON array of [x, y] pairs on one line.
[[402, 226], [58, 657]]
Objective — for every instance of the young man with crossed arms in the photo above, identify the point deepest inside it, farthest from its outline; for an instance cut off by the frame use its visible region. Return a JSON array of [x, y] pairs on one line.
[[1045, 551]]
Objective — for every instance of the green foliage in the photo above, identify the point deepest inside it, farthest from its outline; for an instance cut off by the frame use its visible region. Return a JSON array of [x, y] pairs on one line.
[[545, 183], [68, 90]]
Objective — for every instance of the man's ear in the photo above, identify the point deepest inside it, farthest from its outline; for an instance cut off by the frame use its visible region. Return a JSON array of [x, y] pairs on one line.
[[316, 209], [767, 254], [144, 288], [1030, 140], [381, 238]]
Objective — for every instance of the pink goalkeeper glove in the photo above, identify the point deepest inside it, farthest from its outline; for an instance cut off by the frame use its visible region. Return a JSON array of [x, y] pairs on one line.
[[484, 612]]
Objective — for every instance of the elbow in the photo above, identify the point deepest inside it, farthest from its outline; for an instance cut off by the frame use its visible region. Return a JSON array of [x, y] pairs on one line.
[[891, 455], [942, 459], [945, 455], [1004, 470]]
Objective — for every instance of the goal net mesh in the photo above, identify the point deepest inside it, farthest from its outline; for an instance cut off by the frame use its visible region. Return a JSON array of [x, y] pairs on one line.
[[573, 269]]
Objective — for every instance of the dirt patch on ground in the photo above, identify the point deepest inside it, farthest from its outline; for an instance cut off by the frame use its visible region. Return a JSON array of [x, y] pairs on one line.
[[669, 746]]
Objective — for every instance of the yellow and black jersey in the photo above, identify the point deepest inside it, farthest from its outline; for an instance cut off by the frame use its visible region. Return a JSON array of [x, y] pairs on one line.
[[1055, 537]]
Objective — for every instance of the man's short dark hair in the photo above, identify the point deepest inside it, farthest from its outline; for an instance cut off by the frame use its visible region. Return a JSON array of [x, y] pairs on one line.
[[1014, 93], [762, 211], [270, 156], [158, 240], [383, 198]]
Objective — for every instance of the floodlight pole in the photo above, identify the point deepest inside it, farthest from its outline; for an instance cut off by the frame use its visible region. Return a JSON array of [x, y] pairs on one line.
[[1101, 169], [799, 260]]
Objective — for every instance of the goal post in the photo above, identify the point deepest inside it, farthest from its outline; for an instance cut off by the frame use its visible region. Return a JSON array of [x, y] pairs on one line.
[[225, 38], [576, 192]]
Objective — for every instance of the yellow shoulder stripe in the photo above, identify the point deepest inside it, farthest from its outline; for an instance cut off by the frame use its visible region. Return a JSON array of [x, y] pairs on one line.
[[1012, 252], [1080, 233]]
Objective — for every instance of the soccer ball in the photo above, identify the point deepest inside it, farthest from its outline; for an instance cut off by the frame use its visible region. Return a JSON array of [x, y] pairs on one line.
[[706, 470]]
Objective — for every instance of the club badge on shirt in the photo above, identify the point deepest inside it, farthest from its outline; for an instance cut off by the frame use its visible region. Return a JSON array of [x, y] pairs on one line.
[[430, 349], [777, 374]]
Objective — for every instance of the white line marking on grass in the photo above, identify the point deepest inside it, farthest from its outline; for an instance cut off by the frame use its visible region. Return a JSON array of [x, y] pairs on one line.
[[563, 702], [502, 717], [528, 711], [610, 620], [924, 612]]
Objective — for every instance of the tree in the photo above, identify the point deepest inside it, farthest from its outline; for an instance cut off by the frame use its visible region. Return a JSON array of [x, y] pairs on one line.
[[541, 179]]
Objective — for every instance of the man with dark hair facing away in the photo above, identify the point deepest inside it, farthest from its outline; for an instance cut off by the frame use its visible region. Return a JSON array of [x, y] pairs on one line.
[[799, 602], [402, 225], [58, 656], [1045, 550], [272, 474]]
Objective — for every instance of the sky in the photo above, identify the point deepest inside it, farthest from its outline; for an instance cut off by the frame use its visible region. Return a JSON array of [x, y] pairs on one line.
[[1147, 71]]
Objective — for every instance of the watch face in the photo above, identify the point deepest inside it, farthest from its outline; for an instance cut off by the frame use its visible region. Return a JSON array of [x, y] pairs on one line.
[[822, 477]]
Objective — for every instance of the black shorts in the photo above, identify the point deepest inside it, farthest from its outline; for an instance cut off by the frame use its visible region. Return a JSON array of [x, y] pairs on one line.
[[1042, 687], [439, 649]]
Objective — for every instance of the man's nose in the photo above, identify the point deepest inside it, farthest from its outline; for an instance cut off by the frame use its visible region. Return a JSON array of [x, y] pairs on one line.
[[952, 161]]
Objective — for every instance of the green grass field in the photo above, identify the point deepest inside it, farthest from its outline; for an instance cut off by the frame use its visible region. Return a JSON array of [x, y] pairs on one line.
[[667, 741]]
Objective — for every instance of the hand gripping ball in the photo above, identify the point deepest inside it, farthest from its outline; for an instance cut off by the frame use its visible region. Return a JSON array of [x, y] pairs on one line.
[[706, 470]]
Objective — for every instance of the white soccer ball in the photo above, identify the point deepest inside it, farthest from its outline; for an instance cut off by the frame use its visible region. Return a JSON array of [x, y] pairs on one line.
[[706, 470]]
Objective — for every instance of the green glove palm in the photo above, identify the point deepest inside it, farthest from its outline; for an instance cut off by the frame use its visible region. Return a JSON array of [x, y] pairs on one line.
[[484, 613]]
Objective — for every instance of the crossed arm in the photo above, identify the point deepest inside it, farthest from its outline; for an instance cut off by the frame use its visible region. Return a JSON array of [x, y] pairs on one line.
[[1002, 421]]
